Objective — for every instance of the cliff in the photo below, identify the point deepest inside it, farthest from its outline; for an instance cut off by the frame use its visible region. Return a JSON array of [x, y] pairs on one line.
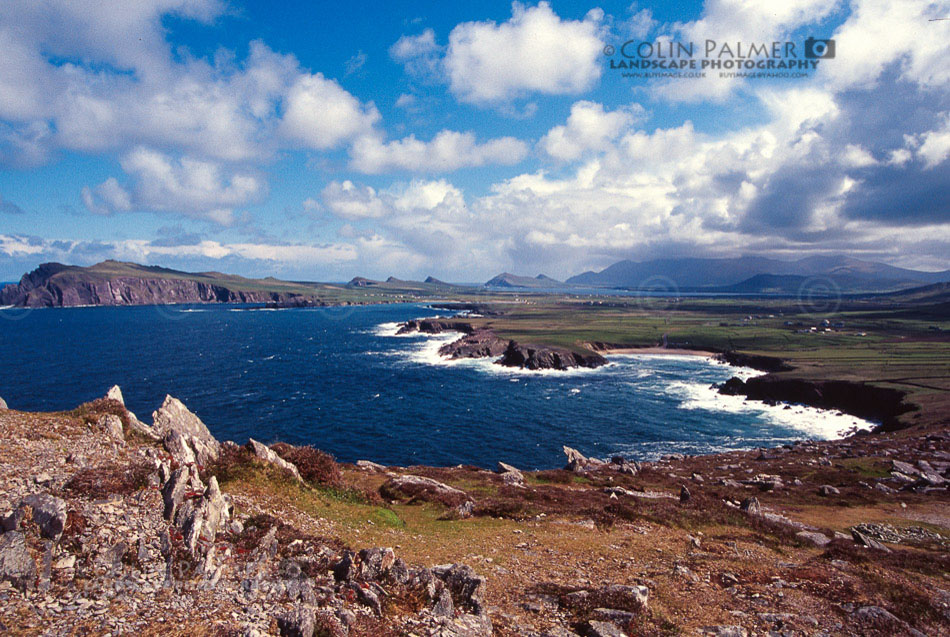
[[115, 283]]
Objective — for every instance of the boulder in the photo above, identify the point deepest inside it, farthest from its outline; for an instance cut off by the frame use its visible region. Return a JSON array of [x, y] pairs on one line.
[[466, 587], [684, 494], [751, 506], [268, 455], [878, 616], [827, 490], [135, 424], [300, 622], [376, 562], [16, 563], [595, 628], [49, 514], [724, 631], [111, 425], [174, 416], [3, 404], [868, 542], [626, 596], [813, 537], [367, 465], [424, 489], [576, 461]]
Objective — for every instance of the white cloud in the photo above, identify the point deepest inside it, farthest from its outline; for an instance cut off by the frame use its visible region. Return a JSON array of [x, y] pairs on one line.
[[419, 54], [191, 187], [320, 114], [447, 151], [588, 127], [349, 201], [935, 147], [534, 52]]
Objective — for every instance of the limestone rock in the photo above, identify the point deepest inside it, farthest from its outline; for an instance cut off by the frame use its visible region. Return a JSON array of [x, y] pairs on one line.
[[177, 445], [49, 513], [813, 537], [466, 587], [828, 490], [368, 465], [603, 629], [16, 563], [268, 455], [724, 631], [425, 489], [115, 393], [3, 404], [112, 426], [174, 416], [751, 506], [182, 481], [864, 540], [376, 562], [627, 595], [297, 623]]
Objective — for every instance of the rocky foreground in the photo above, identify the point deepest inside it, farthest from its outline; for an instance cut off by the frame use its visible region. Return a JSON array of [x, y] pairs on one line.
[[112, 526]]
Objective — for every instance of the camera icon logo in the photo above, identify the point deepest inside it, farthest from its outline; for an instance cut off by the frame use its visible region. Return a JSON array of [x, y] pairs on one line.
[[819, 49]]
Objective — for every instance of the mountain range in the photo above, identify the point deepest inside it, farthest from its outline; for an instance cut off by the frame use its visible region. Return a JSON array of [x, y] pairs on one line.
[[748, 274]]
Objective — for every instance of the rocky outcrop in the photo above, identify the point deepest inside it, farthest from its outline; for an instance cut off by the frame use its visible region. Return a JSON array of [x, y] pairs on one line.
[[579, 463], [420, 488], [434, 326], [882, 404], [478, 344], [755, 361], [3, 404], [545, 357], [183, 433], [265, 454]]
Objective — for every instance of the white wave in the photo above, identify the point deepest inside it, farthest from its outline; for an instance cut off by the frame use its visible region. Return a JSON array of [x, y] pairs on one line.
[[817, 423], [389, 329]]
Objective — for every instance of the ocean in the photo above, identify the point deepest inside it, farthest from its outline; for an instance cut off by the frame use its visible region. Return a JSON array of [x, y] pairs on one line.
[[341, 380]]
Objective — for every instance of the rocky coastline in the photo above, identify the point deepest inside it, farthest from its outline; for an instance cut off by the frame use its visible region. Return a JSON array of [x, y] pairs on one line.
[[111, 525], [484, 343]]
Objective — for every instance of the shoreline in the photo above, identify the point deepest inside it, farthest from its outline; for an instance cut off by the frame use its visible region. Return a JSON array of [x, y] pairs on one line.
[[657, 351]]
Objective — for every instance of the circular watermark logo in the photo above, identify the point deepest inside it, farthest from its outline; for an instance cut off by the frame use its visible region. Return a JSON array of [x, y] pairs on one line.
[[657, 293], [819, 295], [15, 313], [171, 312], [338, 312]]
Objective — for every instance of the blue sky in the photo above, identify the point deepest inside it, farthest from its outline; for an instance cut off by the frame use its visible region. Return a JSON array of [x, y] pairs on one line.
[[325, 140]]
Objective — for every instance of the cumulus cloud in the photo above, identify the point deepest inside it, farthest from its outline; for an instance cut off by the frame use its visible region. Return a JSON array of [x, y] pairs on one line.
[[187, 186], [320, 114], [447, 151], [419, 54], [533, 52], [589, 127]]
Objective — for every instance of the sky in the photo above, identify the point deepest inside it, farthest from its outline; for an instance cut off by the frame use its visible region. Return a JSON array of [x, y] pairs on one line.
[[324, 140]]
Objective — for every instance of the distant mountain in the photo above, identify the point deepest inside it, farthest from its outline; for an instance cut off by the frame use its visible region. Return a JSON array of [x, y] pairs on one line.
[[120, 283], [508, 280], [846, 272], [431, 280]]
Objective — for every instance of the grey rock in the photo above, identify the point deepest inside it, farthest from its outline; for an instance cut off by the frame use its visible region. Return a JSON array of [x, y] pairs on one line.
[[3, 404], [111, 425], [370, 466], [115, 393], [376, 562], [506, 468], [614, 615], [174, 416], [878, 615], [828, 490], [178, 446], [751, 506], [300, 622], [444, 606], [466, 587], [368, 597], [49, 513], [596, 628], [576, 461], [422, 488], [813, 537], [202, 521], [627, 595], [864, 540], [268, 455], [182, 481], [463, 626], [684, 494], [724, 631], [16, 563]]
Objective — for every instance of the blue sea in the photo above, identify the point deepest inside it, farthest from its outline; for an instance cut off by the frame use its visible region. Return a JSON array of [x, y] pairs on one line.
[[341, 380]]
